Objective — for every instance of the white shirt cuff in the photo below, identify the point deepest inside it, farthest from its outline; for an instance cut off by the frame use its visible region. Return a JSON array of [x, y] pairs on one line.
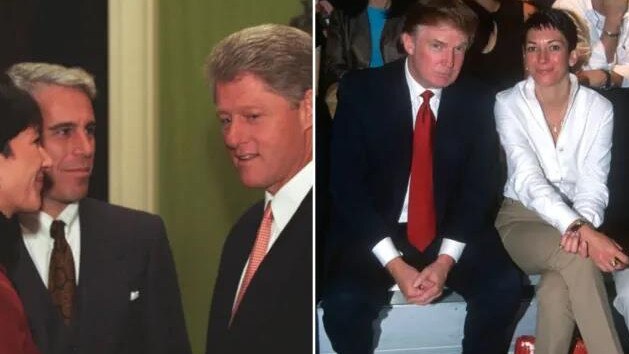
[[452, 248], [564, 217], [385, 251]]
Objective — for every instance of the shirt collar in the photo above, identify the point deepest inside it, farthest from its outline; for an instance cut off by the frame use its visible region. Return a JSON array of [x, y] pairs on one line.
[[40, 220], [528, 89], [415, 88], [289, 197]]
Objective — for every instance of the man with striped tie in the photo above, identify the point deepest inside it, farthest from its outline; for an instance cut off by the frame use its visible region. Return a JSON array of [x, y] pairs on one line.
[[262, 83]]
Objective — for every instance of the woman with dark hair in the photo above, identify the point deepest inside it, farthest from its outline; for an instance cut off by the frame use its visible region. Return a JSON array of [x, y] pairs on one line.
[[556, 135], [22, 161]]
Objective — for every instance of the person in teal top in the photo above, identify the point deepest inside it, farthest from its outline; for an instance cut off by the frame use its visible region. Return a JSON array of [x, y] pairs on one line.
[[363, 34]]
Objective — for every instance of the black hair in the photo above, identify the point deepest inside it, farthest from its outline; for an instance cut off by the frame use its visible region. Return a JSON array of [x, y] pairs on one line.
[[18, 111], [555, 19]]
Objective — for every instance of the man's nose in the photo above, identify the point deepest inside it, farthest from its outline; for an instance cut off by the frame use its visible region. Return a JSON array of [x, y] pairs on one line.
[[234, 133], [84, 144], [46, 160]]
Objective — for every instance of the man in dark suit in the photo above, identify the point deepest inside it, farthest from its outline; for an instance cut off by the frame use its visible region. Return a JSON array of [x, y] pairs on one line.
[[262, 302], [414, 199], [94, 277]]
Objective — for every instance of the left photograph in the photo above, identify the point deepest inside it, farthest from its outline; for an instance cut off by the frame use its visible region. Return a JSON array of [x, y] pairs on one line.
[[156, 177]]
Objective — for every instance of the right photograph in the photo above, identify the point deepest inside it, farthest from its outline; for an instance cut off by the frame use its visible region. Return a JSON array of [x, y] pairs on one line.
[[470, 186]]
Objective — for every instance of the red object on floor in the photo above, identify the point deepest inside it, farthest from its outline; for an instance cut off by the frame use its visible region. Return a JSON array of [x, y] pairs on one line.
[[526, 345], [579, 348]]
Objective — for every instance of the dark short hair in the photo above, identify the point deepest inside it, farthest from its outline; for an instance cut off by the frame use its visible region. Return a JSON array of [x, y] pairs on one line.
[[554, 19], [434, 12], [18, 111]]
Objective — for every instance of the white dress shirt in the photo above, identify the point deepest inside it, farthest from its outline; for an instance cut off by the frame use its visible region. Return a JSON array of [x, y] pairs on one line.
[[594, 22], [39, 243], [561, 182], [385, 250], [284, 205]]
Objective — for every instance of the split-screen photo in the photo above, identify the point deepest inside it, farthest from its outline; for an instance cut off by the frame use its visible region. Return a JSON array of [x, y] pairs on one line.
[[314, 176]]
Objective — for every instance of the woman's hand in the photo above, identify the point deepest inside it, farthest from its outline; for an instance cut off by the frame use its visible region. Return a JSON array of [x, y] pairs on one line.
[[571, 242], [604, 252]]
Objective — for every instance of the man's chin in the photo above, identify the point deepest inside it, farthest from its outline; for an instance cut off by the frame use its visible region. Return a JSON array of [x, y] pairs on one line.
[[67, 197]]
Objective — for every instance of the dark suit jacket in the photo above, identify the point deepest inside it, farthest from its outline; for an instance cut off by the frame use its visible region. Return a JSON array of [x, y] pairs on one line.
[[122, 251], [275, 315], [371, 160]]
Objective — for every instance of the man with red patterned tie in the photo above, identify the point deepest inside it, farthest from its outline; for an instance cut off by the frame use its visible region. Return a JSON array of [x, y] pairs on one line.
[[414, 183], [262, 82]]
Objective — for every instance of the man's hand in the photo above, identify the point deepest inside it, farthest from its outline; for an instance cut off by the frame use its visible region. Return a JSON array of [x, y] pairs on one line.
[[404, 276], [605, 252], [431, 280]]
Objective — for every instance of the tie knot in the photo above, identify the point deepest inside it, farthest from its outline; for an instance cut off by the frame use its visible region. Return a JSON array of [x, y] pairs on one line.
[[57, 229], [268, 212], [426, 95]]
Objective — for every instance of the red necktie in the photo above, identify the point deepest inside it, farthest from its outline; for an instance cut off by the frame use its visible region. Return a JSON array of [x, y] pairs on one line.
[[421, 227], [257, 254]]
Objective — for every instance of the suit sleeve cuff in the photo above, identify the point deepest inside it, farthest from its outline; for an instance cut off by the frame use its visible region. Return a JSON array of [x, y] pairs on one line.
[[452, 248], [385, 251]]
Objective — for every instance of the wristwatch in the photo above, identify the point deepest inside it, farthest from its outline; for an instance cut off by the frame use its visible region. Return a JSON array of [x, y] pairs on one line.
[[611, 34], [576, 225]]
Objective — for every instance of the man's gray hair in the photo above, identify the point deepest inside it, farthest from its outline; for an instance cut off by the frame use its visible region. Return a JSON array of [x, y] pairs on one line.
[[28, 76], [281, 56]]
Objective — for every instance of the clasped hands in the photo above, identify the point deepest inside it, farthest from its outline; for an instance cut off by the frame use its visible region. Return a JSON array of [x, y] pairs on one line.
[[421, 287], [604, 252]]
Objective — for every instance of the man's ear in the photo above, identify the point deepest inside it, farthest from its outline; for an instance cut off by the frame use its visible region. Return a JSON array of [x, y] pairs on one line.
[[408, 42], [305, 110]]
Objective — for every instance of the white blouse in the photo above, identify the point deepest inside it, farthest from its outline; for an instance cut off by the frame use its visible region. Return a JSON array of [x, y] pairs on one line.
[[560, 182]]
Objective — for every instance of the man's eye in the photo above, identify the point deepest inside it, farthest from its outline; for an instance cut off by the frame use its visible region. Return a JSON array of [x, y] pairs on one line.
[[224, 120], [438, 46], [91, 130], [252, 116], [63, 131]]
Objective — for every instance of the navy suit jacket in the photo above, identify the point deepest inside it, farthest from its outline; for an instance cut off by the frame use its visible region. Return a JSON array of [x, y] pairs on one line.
[[371, 160], [275, 315], [122, 251]]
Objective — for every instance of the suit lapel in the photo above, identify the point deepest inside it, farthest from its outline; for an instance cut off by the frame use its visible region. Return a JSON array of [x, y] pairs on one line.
[[292, 248], [37, 303], [102, 272], [236, 251], [400, 117]]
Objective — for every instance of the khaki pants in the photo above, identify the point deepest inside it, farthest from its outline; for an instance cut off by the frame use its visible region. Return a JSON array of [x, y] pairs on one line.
[[571, 288]]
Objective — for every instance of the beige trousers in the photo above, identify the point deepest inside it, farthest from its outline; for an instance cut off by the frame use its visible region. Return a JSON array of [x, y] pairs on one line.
[[571, 288]]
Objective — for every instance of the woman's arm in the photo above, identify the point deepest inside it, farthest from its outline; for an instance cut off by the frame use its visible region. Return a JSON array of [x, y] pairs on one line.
[[591, 193], [525, 173]]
